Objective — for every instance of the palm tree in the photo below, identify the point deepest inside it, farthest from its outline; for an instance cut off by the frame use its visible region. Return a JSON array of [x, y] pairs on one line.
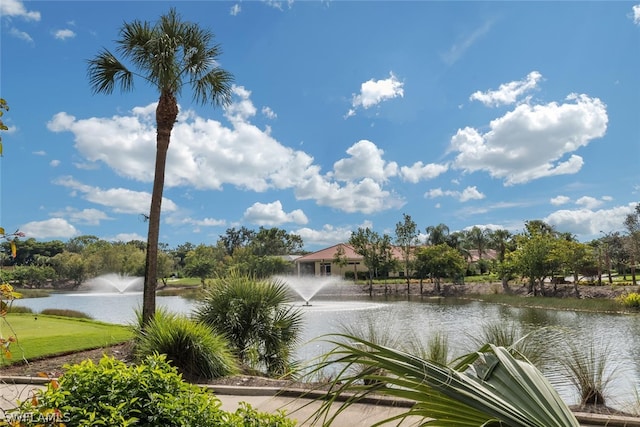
[[257, 319], [169, 55], [437, 234], [487, 387]]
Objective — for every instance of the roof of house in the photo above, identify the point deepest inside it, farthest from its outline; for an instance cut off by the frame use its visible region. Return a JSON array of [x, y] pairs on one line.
[[329, 253]]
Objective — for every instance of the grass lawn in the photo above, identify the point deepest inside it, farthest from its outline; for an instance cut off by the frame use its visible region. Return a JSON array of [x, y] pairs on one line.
[[41, 335]]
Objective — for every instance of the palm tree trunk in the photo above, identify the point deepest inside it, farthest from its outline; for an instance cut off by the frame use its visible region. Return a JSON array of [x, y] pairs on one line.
[[166, 114]]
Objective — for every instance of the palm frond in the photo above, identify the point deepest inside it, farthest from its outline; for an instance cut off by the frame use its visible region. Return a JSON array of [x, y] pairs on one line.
[[105, 72], [487, 386]]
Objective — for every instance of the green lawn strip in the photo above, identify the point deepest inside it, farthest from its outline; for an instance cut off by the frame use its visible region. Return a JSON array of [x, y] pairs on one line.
[[50, 335]]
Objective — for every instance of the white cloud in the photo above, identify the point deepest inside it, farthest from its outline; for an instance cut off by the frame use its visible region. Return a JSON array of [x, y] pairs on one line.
[[469, 193], [373, 92], [327, 235], [121, 200], [126, 237], [365, 162], [235, 9], [86, 216], [636, 14], [273, 214], [507, 93], [365, 196], [559, 200], [532, 142], [40, 153], [50, 228], [419, 171], [206, 154], [21, 35], [54, 163], [588, 202], [15, 8], [589, 223], [269, 113], [457, 50], [64, 34], [205, 222]]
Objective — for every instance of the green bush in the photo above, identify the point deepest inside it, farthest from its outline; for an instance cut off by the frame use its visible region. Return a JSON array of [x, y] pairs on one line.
[[18, 309], [150, 394], [256, 318], [631, 300], [193, 348]]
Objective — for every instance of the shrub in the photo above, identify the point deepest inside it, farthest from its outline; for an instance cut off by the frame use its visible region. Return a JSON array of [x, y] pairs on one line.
[[631, 300], [65, 313], [18, 309], [193, 348], [255, 317], [151, 394]]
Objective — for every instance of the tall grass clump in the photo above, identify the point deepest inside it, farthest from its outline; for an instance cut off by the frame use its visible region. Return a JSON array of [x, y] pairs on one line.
[[590, 368], [193, 348], [532, 346], [257, 319], [63, 312]]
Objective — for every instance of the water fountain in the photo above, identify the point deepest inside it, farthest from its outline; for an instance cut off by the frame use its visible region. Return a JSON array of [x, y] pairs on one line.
[[113, 281], [307, 286]]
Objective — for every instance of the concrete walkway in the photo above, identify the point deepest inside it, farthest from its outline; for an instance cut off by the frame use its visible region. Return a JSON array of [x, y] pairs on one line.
[[268, 399]]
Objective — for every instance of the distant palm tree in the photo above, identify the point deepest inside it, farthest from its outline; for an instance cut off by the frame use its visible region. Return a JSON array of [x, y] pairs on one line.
[[437, 234], [169, 55]]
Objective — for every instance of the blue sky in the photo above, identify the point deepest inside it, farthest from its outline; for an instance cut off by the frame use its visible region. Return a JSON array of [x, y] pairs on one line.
[[344, 115]]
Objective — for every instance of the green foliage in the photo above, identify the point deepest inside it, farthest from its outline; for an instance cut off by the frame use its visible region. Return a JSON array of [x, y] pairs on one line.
[[65, 313], [256, 318], [193, 348], [486, 387], [590, 368], [631, 300], [150, 394], [439, 261]]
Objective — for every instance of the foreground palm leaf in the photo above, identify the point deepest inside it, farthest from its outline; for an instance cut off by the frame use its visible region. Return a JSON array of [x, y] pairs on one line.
[[486, 388]]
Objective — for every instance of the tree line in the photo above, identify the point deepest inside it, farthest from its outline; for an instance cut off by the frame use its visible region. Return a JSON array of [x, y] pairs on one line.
[[538, 253], [37, 264]]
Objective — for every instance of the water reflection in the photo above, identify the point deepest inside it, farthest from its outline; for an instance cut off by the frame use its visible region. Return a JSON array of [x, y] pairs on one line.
[[416, 319]]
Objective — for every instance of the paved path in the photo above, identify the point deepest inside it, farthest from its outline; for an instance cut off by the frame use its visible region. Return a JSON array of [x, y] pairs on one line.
[[266, 399]]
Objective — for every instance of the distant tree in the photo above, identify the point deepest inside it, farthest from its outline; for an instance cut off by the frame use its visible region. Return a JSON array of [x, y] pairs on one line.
[[275, 241], [573, 257], [234, 238], [406, 239], [501, 241], [180, 253], [437, 234], [479, 239], [170, 55], [374, 249], [72, 267], [80, 243], [202, 262], [440, 261], [532, 258], [632, 226]]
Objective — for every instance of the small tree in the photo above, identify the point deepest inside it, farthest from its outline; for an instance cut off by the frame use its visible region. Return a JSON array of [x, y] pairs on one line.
[[440, 261], [374, 249], [202, 262], [407, 238]]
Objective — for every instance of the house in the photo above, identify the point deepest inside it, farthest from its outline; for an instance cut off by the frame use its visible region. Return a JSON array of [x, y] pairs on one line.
[[323, 262]]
